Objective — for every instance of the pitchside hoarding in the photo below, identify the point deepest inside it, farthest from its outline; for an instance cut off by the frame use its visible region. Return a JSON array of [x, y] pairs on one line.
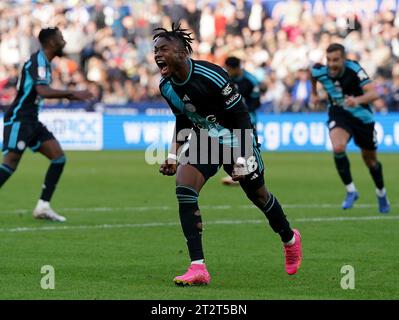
[[277, 132], [74, 130], [284, 132]]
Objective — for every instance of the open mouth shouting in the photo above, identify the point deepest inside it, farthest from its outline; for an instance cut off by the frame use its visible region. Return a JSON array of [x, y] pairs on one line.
[[163, 67]]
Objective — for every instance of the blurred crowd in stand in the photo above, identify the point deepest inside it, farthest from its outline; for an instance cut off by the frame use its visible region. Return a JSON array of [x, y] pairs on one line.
[[109, 46]]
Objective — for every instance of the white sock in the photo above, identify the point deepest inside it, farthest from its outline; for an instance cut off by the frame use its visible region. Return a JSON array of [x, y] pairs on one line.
[[42, 203], [380, 192], [201, 261], [291, 242], [350, 187]]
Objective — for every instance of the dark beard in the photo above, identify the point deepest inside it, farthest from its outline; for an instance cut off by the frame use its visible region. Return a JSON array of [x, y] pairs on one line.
[[59, 52]]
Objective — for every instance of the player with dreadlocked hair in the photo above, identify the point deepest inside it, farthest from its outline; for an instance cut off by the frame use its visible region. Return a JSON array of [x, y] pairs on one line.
[[212, 127], [177, 33]]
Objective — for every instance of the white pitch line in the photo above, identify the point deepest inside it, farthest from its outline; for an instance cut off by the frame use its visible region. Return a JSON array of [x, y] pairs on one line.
[[211, 207], [168, 224]]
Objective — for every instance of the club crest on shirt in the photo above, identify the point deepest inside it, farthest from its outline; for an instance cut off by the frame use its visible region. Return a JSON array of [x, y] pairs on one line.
[[227, 90], [41, 72]]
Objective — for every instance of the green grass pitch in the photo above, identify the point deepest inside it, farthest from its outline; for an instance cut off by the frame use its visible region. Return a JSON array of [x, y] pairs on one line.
[[122, 239]]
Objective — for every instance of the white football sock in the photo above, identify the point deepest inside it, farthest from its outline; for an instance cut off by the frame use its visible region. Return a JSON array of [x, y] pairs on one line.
[[380, 192], [350, 187], [291, 242], [43, 204], [201, 261]]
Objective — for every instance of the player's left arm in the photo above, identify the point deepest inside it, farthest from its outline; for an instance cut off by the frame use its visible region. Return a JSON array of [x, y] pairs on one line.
[[370, 93], [243, 128], [237, 112], [41, 79], [232, 102]]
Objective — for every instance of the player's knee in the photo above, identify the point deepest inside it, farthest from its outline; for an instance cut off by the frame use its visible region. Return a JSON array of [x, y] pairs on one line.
[[339, 148], [61, 160], [371, 162], [258, 197], [339, 157], [12, 161], [370, 159]]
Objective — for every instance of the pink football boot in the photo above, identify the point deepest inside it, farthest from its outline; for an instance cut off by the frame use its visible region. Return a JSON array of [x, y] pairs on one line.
[[293, 254], [195, 275]]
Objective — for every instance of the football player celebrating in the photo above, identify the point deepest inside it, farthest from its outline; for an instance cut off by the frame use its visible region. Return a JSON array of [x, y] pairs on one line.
[[204, 100]]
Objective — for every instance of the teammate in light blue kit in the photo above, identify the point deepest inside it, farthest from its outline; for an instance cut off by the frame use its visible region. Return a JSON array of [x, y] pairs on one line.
[[350, 92]]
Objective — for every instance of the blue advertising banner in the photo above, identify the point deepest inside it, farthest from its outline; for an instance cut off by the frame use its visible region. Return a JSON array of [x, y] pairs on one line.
[[309, 132], [277, 132], [137, 132]]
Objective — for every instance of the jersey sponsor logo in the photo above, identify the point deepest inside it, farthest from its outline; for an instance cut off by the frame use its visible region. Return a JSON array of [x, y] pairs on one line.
[[209, 122], [227, 90], [41, 72], [211, 118], [232, 99]]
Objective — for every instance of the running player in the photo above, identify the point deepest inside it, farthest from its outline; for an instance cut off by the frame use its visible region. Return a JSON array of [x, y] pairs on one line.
[[23, 129], [203, 99], [350, 92]]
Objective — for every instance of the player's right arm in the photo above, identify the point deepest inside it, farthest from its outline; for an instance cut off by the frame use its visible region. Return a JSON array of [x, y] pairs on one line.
[[169, 167], [183, 124], [314, 98]]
